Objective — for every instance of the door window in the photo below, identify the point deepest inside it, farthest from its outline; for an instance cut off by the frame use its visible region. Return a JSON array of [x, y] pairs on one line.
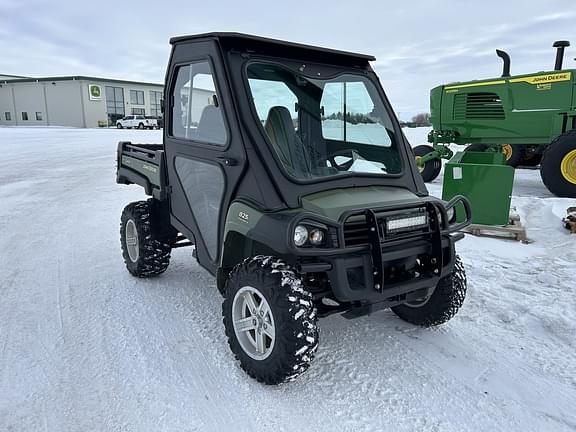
[[196, 111]]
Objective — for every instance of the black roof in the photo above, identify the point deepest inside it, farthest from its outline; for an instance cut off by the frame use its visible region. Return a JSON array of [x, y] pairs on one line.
[[242, 40]]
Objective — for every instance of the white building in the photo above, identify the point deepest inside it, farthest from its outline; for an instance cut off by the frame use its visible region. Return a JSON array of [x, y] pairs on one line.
[[76, 101]]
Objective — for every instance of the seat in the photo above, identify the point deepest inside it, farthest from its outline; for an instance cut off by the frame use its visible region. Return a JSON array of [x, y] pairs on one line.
[[279, 127], [211, 126]]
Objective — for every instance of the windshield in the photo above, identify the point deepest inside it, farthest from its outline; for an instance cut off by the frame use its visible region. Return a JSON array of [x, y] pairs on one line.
[[324, 127]]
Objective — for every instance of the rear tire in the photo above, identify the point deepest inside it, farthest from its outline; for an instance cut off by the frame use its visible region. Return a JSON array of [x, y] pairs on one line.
[[140, 125], [558, 166], [442, 305], [432, 168], [264, 291], [145, 254]]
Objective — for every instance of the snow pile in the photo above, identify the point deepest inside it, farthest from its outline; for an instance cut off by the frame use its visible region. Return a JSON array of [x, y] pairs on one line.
[[85, 346]]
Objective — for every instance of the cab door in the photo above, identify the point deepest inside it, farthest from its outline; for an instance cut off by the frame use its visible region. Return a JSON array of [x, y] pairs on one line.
[[204, 149]]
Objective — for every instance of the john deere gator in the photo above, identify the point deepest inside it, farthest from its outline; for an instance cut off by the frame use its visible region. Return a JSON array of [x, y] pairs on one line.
[[530, 118]]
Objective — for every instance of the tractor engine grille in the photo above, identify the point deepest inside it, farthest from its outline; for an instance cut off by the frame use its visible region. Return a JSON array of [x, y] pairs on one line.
[[478, 106]]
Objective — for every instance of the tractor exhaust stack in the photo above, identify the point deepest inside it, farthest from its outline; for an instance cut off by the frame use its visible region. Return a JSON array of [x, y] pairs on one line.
[[560, 45], [506, 59]]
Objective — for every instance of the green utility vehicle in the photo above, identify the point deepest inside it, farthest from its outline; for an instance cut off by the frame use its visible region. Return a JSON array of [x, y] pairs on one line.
[[284, 166], [531, 118]]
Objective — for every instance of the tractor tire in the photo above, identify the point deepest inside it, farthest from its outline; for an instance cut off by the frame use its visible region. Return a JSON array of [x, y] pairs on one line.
[[145, 255], [432, 168], [442, 305], [558, 166], [270, 320], [514, 154]]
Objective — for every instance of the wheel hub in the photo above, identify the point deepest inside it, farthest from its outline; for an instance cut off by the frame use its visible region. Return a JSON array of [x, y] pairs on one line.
[[568, 166], [253, 323], [419, 163], [132, 241], [507, 150]]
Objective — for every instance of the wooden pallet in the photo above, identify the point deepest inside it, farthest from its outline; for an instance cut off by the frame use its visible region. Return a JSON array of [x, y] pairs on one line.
[[513, 231]]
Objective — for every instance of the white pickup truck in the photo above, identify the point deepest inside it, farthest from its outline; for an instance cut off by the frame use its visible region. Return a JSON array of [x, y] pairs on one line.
[[137, 121]]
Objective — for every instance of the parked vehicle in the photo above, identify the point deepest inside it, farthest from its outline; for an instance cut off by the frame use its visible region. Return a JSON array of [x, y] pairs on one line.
[[299, 207], [137, 122], [531, 118], [154, 122]]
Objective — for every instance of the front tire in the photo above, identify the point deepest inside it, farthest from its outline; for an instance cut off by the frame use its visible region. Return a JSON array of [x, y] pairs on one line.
[[270, 320], [119, 125], [145, 254], [558, 166], [442, 305], [431, 169]]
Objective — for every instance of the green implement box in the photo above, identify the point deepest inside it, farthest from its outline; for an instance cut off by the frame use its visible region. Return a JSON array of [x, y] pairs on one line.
[[486, 180]]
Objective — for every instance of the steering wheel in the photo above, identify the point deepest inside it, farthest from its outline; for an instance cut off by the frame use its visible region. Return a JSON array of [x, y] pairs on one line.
[[344, 166]]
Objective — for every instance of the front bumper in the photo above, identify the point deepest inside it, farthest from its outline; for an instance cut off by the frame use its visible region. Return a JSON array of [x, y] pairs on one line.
[[391, 270]]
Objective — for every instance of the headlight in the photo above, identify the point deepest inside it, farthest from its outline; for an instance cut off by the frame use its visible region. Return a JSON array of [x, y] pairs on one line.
[[406, 222], [316, 237], [300, 235]]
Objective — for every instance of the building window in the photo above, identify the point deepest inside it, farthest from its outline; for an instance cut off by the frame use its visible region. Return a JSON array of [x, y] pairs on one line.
[[155, 103], [114, 104], [38, 116], [136, 97], [24, 115], [8, 116], [138, 111]]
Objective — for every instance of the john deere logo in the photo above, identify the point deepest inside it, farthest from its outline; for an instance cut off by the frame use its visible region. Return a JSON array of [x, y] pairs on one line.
[[95, 92]]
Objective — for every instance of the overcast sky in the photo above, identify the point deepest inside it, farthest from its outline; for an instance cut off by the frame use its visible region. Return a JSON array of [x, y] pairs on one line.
[[418, 44]]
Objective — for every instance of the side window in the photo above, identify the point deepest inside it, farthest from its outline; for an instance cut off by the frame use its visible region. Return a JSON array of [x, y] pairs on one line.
[[350, 115], [196, 111]]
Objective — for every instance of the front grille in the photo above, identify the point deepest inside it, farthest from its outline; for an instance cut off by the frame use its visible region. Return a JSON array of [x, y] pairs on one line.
[[357, 231], [478, 106]]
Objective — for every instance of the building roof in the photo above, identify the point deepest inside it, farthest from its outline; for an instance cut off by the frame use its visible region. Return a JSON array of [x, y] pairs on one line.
[[11, 77], [250, 41], [75, 78]]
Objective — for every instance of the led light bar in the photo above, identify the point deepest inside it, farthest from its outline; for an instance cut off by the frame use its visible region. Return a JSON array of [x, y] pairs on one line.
[[408, 222]]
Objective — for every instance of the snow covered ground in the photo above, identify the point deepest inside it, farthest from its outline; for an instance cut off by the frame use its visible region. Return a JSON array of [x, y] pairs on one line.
[[86, 347]]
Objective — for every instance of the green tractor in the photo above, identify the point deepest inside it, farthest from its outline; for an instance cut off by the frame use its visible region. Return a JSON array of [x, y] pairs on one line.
[[530, 118]]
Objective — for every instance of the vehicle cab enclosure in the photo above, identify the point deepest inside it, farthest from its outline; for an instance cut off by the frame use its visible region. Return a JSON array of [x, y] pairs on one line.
[[287, 150]]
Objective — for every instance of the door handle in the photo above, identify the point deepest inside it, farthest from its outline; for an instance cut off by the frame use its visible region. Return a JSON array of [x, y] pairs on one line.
[[227, 161]]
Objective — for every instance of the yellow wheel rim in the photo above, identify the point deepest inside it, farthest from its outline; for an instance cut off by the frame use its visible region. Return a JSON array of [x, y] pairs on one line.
[[419, 164], [507, 150], [568, 166]]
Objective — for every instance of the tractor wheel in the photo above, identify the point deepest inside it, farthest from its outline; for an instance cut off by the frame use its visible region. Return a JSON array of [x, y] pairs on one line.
[[558, 166], [514, 154], [431, 169], [270, 320], [145, 254], [442, 305]]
